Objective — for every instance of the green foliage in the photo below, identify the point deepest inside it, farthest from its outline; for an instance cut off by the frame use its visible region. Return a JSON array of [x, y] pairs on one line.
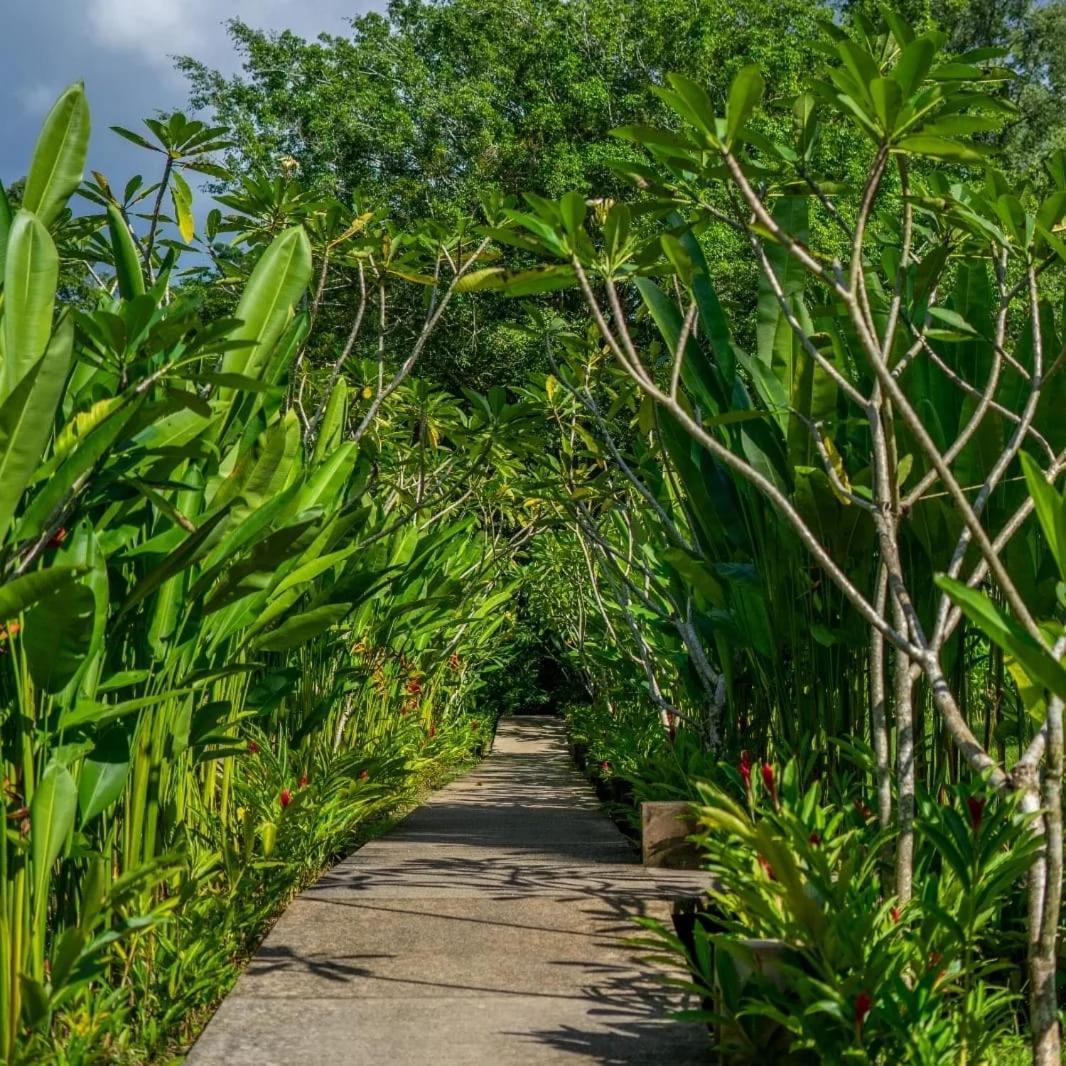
[[231, 638], [804, 951]]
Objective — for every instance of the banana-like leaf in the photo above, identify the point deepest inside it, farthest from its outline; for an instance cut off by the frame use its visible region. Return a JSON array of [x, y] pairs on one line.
[[277, 282], [103, 774], [302, 627], [59, 158], [127, 261], [31, 272], [23, 592], [7, 217], [331, 428], [52, 811], [26, 417], [58, 636]]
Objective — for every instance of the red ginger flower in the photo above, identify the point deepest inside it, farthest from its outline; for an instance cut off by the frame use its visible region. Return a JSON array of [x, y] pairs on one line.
[[895, 914], [863, 1004], [769, 782], [976, 806], [285, 798], [745, 769]]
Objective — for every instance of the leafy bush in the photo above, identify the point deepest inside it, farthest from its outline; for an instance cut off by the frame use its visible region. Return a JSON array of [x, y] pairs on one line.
[[804, 949]]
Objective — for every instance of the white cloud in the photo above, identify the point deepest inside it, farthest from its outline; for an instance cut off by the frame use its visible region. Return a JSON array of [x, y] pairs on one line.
[[156, 30], [36, 98]]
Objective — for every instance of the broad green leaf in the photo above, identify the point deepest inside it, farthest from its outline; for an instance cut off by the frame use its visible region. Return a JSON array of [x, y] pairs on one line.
[[745, 94], [951, 151], [572, 207], [30, 275], [277, 282], [59, 158], [57, 636], [887, 100], [302, 627], [26, 418], [52, 809], [331, 428], [21, 593], [127, 261], [181, 194], [1050, 507], [7, 216], [1037, 661], [914, 64], [103, 774]]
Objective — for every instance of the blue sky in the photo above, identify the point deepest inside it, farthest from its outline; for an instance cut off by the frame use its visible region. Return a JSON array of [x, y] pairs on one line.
[[122, 50]]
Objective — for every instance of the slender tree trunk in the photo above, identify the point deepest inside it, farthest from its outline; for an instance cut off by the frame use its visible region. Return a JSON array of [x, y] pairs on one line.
[[878, 720], [1045, 902], [903, 693]]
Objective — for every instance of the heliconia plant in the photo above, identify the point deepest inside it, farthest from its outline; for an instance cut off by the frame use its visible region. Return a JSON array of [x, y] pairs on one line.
[[188, 557]]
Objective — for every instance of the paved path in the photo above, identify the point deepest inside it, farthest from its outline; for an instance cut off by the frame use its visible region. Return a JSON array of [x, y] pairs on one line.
[[488, 928]]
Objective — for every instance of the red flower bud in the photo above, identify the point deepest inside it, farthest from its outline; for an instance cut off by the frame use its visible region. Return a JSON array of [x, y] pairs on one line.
[[863, 1004], [57, 537], [605, 767], [976, 806], [815, 839], [895, 913], [745, 769], [769, 782], [285, 798], [253, 748]]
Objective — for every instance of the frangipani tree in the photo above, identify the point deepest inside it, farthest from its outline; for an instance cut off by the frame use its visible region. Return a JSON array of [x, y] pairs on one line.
[[907, 362]]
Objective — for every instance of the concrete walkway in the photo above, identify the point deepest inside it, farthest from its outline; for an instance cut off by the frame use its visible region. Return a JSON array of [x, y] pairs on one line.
[[488, 928]]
